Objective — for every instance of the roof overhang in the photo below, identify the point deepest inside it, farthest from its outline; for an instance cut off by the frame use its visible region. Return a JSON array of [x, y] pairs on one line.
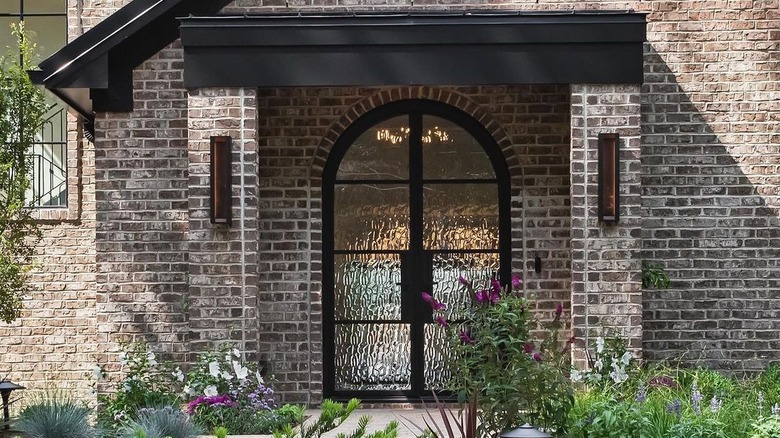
[[94, 72], [465, 48]]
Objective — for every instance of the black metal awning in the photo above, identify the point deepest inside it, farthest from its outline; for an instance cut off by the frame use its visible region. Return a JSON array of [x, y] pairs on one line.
[[465, 48], [94, 72]]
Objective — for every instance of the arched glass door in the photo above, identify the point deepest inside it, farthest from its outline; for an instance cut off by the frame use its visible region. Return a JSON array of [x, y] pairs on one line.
[[415, 194]]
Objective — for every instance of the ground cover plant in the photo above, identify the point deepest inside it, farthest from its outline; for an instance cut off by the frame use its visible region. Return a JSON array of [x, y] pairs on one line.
[[219, 391], [620, 399]]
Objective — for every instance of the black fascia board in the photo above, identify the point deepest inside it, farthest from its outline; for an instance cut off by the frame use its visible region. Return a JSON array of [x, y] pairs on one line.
[[414, 49], [97, 66]]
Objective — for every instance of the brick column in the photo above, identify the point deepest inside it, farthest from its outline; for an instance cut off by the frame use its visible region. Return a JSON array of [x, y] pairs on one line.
[[223, 265], [606, 258]]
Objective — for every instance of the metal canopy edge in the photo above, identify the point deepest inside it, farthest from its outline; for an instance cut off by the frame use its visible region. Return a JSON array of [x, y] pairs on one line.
[[467, 48]]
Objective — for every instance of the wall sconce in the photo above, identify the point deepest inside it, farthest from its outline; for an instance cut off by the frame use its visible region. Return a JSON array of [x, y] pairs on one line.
[[609, 176], [221, 172]]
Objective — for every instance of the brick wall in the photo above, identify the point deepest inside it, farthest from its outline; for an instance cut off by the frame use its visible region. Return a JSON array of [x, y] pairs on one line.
[[141, 188], [606, 258]]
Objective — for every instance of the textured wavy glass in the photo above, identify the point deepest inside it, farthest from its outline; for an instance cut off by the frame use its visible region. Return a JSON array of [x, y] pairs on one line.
[[449, 151], [371, 217], [477, 268], [382, 152], [372, 357], [460, 216], [437, 355], [367, 286]]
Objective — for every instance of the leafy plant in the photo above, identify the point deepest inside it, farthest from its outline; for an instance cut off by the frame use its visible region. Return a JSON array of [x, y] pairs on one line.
[[331, 416], [463, 425], [654, 276], [766, 427], [54, 417], [22, 109], [221, 432], [496, 360], [147, 383], [161, 423]]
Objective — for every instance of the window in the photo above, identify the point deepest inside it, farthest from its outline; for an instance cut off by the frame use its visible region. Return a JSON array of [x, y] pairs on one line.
[[46, 21]]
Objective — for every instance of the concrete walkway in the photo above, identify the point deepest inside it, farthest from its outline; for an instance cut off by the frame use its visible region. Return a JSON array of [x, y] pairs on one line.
[[379, 419]]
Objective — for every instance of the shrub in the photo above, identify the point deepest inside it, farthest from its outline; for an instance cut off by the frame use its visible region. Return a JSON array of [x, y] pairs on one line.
[[55, 418], [516, 379], [160, 423], [766, 427]]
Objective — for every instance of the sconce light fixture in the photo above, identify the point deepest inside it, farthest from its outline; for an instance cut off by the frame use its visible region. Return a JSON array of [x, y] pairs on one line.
[[609, 176], [221, 180]]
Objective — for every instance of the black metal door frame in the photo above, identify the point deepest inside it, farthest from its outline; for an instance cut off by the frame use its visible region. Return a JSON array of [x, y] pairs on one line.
[[415, 278]]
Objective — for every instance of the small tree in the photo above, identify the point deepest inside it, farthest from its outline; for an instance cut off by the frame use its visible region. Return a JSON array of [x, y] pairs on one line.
[[22, 109]]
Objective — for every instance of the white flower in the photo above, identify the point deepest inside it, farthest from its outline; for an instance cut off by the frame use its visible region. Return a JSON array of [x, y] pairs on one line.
[[259, 377], [214, 369], [97, 372], [575, 375], [598, 365], [241, 372], [236, 353], [178, 374], [150, 357], [626, 358], [210, 391], [599, 345], [119, 416], [188, 390], [226, 375], [618, 374], [126, 386], [123, 358]]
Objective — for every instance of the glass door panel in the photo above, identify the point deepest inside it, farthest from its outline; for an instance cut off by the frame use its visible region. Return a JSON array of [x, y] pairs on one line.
[[371, 216], [479, 268], [437, 357], [450, 152], [460, 216], [367, 287], [372, 357], [381, 152]]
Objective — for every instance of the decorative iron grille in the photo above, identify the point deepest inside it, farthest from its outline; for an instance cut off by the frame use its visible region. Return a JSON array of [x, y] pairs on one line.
[[49, 155]]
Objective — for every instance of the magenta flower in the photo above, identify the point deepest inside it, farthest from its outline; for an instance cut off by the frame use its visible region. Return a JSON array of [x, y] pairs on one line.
[[428, 298], [495, 296], [558, 309], [528, 348], [465, 338], [482, 296], [517, 282], [538, 356], [495, 285], [462, 280], [441, 321]]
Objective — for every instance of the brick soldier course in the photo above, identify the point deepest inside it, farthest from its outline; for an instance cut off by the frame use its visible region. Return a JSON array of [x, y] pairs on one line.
[[134, 257]]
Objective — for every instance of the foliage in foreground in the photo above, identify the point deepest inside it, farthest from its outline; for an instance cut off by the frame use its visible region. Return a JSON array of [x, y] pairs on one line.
[[22, 109], [161, 423], [662, 402], [55, 417]]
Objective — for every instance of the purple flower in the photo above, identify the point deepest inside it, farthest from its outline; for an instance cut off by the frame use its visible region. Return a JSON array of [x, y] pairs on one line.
[[441, 321], [438, 305], [428, 298], [462, 280], [662, 381], [495, 286], [482, 295], [715, 404], [641, 393], [528, 347], [465, 337], [696, 398], [537, 356], [558, 309], [674, 407], [495, 296], [517, 282]]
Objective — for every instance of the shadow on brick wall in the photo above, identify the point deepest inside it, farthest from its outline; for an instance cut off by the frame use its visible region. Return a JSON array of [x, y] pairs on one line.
[[707, 223]]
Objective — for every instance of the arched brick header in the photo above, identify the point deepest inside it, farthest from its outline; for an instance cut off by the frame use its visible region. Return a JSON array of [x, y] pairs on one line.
[[442, 95]]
